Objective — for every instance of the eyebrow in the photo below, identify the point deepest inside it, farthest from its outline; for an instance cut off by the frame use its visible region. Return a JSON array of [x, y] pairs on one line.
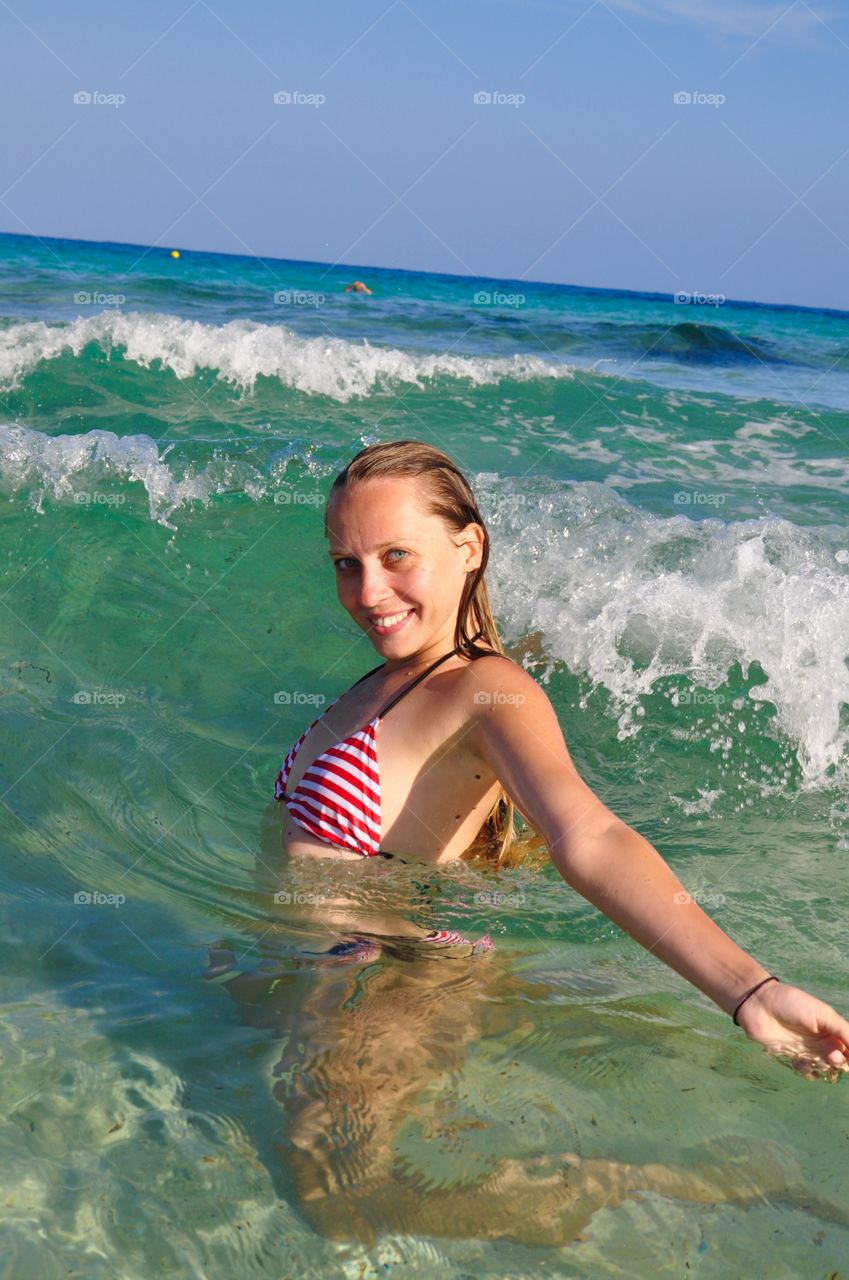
[[396, 542]]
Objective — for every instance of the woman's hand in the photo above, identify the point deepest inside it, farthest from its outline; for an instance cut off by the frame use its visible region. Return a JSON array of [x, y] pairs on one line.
[[791, 1023]]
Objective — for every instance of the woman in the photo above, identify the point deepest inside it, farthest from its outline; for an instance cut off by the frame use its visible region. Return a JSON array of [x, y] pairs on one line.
[[424, 760]]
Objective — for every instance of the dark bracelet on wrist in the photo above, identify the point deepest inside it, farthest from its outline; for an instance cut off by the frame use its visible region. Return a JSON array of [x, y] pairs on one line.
[[757, 987]]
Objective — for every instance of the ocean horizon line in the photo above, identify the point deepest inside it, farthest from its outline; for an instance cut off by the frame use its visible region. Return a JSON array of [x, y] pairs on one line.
[[552, 285]]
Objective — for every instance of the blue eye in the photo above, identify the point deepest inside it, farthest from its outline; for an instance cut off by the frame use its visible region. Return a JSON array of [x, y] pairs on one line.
[[344, 562]]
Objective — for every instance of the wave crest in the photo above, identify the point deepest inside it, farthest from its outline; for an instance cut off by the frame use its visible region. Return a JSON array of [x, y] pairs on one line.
[[241, 351], [628, 599]]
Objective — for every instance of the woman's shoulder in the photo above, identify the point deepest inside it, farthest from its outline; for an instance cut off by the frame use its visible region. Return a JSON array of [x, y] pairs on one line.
[[495, 673], [509, 717]]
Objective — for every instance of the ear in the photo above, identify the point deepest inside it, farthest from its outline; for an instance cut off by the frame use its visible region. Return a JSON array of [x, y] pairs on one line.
[[471, 541]]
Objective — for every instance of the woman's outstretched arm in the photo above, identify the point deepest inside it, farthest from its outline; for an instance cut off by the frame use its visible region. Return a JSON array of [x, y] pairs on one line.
[[516, 731]]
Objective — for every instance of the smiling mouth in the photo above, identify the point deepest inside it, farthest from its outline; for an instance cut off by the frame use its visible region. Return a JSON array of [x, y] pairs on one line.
[[388, 621]]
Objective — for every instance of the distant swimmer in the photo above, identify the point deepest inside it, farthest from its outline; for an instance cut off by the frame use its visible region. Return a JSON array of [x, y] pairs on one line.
[[358, 287]]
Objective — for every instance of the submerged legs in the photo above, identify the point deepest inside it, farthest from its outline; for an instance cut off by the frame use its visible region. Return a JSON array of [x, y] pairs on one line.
[[363, 1042]]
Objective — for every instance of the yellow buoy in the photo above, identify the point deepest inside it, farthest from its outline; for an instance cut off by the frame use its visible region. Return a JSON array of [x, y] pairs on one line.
[[175, 253]]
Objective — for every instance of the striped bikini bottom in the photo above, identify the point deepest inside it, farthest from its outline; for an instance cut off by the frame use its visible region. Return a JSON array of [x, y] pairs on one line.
[[363, 947], [359, 948]]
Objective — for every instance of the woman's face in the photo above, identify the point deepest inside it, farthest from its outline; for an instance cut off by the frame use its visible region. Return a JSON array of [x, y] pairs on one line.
[[400, 571]]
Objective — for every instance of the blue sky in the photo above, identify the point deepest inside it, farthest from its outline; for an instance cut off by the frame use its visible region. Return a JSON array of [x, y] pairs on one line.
[[597, 177]]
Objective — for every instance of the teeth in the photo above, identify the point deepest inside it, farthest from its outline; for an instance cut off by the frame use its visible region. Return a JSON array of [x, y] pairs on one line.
[[390, 621]]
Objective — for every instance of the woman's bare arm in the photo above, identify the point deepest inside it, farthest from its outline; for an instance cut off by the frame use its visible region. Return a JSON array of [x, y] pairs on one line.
[[515, 728]]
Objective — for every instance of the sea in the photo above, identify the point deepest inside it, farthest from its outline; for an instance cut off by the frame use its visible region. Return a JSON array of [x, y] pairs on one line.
[[666, 485]]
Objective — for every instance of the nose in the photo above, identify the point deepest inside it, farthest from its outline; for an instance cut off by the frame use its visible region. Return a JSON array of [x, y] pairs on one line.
[[373, 587]]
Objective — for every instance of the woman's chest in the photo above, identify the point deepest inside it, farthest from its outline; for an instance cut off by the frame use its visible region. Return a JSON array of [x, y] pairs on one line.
[[420, 780]]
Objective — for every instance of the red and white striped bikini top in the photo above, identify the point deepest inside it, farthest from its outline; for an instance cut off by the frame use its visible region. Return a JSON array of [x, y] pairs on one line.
[[338, 798]]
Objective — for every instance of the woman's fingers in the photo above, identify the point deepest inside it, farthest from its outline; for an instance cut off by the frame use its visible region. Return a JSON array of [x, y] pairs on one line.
[[791, 1022], [834, 1032], [833, 1025]]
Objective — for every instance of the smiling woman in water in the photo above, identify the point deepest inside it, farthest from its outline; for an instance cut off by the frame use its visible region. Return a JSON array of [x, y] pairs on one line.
[[410, 549], [424, 760]]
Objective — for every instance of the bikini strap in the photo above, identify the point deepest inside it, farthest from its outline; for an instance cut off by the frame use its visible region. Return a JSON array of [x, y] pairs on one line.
[[413, 683], [375, 670], [366, 676]]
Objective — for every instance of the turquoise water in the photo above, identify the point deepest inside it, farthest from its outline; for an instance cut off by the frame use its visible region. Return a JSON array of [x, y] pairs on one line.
[[667, 490]]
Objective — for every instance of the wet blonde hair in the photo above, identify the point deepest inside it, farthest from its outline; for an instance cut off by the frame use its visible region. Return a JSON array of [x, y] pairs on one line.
[[447, 493]]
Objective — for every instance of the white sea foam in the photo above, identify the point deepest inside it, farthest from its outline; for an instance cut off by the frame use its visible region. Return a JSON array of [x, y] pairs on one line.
[[627, 598], [621, 596], [243, 350], [69, 466]]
